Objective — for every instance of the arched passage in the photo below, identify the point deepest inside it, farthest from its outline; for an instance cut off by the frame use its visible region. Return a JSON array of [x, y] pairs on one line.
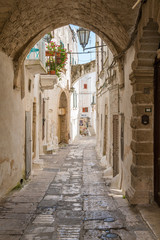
[[26, 22], [63, 119]]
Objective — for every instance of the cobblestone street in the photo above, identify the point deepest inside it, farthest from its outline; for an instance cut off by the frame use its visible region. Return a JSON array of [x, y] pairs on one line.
[[67, 198]]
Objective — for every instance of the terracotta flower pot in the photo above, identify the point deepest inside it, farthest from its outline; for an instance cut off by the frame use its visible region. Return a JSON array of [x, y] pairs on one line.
[[50, 53], [58, 55], [52, 72], [58, 59]]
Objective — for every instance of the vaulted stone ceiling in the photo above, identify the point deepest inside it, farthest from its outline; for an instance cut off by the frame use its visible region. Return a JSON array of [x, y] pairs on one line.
[[24, 22]]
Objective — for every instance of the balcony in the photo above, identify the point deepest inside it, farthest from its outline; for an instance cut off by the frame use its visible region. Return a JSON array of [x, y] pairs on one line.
[[48, 81], [35, 61]]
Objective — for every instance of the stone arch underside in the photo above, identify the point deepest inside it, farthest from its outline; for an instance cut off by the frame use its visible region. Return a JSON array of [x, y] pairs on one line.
[[80, 70], [29, 20]]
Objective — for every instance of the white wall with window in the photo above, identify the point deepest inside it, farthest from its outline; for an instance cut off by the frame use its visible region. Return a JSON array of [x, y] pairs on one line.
[[87, 94], [87, 99]]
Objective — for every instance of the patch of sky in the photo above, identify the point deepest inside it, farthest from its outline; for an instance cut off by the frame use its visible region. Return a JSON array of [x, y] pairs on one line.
[[89, 54]]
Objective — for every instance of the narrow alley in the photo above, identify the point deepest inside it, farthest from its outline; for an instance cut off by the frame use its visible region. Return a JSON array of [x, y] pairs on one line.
[[67, 198]]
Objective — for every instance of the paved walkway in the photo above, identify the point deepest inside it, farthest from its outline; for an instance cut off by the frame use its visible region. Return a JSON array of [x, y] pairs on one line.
[[68, 199]]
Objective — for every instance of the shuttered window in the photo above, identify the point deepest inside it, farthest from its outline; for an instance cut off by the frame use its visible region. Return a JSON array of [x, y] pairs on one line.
[[74, 100], [85, 109]]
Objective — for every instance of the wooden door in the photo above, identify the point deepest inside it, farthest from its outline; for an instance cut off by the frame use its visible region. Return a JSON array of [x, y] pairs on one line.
[[122, 136], [28, 145], [105, 136], [157, 133], [115, 145], [105, 130], [34, 130], [43, 119]]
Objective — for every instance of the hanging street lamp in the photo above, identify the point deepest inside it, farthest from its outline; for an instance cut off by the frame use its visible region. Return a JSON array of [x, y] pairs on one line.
[[83, 36], [47, 38]]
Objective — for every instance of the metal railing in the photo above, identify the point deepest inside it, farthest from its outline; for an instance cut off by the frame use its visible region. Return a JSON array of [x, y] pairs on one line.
[[38, 52]]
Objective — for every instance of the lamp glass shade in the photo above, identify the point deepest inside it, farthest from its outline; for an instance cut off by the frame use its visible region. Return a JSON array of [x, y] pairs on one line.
[[47, 38], [83, 36]]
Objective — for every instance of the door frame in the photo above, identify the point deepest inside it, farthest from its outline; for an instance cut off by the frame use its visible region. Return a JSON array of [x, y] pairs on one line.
[[157, 132], [28, 144], [115, 144]]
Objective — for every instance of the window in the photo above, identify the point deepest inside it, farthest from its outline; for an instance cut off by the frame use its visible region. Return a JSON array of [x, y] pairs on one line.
[[62, 44], [70, 59], [74, 99], [85, 86], [40, 102], [29, 85], [85, 109], [93, 99]]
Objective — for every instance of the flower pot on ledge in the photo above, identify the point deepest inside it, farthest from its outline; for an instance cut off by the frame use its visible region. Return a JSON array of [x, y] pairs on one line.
[[50, 53], [58, 60], [52, 72], [58, 55]]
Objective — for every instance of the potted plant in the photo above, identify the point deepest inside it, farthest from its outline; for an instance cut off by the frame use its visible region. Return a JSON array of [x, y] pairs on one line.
[[56, 58], [51, 49]]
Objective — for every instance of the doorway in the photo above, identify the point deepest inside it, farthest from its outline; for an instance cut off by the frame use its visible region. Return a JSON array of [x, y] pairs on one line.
[[115, 145], [63, 121], [28, 145], [157, 132], [105, 131]]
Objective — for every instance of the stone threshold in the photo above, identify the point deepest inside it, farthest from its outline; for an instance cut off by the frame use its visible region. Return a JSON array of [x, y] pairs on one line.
[[151, 215]]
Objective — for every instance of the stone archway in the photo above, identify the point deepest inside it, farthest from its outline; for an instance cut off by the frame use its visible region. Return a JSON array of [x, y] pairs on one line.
[[27, 22], [142, 80], [63, 119]]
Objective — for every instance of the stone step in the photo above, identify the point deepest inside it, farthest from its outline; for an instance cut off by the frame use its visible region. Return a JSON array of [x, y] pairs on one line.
[[147, 54]]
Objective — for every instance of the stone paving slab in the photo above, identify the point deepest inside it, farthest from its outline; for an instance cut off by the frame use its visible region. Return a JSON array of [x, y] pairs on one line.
[[68, 199], [151, 214], [12, 226], [10, 237]]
